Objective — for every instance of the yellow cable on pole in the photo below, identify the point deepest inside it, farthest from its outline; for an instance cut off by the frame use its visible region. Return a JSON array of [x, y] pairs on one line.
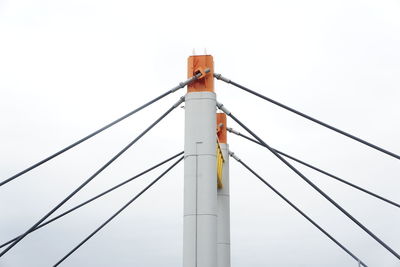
[[220, 165]]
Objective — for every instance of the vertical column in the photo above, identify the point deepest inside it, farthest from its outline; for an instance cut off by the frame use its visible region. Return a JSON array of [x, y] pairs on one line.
[[200, 182], [223, 218]]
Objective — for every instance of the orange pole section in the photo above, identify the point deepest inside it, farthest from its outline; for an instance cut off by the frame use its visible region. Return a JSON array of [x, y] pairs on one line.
[[197, 64], [221, 128]]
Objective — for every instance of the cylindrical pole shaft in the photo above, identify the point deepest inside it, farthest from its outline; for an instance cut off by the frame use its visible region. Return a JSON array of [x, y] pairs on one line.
[[200, 182], [223, 218]]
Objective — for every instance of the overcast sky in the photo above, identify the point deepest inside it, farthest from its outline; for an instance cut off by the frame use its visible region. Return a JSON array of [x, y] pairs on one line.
[[69, 67]]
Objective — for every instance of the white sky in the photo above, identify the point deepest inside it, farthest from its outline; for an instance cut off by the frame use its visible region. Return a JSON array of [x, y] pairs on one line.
[[69, 67]]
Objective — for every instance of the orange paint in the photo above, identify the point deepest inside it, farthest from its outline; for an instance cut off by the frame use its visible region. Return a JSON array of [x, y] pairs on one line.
[[221, 128], [197, 64]]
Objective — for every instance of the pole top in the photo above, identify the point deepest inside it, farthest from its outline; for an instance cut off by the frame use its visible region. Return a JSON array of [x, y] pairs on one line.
[[221, 128], [198, 64]]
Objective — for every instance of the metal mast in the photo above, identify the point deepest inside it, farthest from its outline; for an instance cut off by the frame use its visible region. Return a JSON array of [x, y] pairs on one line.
[[223, 218], [200, 182]]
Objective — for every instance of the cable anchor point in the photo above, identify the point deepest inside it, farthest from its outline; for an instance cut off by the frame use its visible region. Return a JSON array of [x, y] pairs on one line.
[[219, 76], [223, 108], [233, 155]]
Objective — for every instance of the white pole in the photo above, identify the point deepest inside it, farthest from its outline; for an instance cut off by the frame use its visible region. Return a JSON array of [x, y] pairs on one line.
[[200, 182], [223, 228]]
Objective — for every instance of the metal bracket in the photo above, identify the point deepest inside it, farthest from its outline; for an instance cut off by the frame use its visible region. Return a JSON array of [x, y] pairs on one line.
[[199, 75]]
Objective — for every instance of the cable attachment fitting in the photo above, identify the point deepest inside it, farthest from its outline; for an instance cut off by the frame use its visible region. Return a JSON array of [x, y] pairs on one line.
[[190, 80], [201, 73], [222, 108], [222, 78], [233, 155], [229, 129], [180, 101]]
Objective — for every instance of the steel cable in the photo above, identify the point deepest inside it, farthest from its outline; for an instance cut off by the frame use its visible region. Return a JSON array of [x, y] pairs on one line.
[[227, 112], [220, 77], [91, 177], [319, 170], [181, 85], [298, 210], [116, 214], [96, 197]]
